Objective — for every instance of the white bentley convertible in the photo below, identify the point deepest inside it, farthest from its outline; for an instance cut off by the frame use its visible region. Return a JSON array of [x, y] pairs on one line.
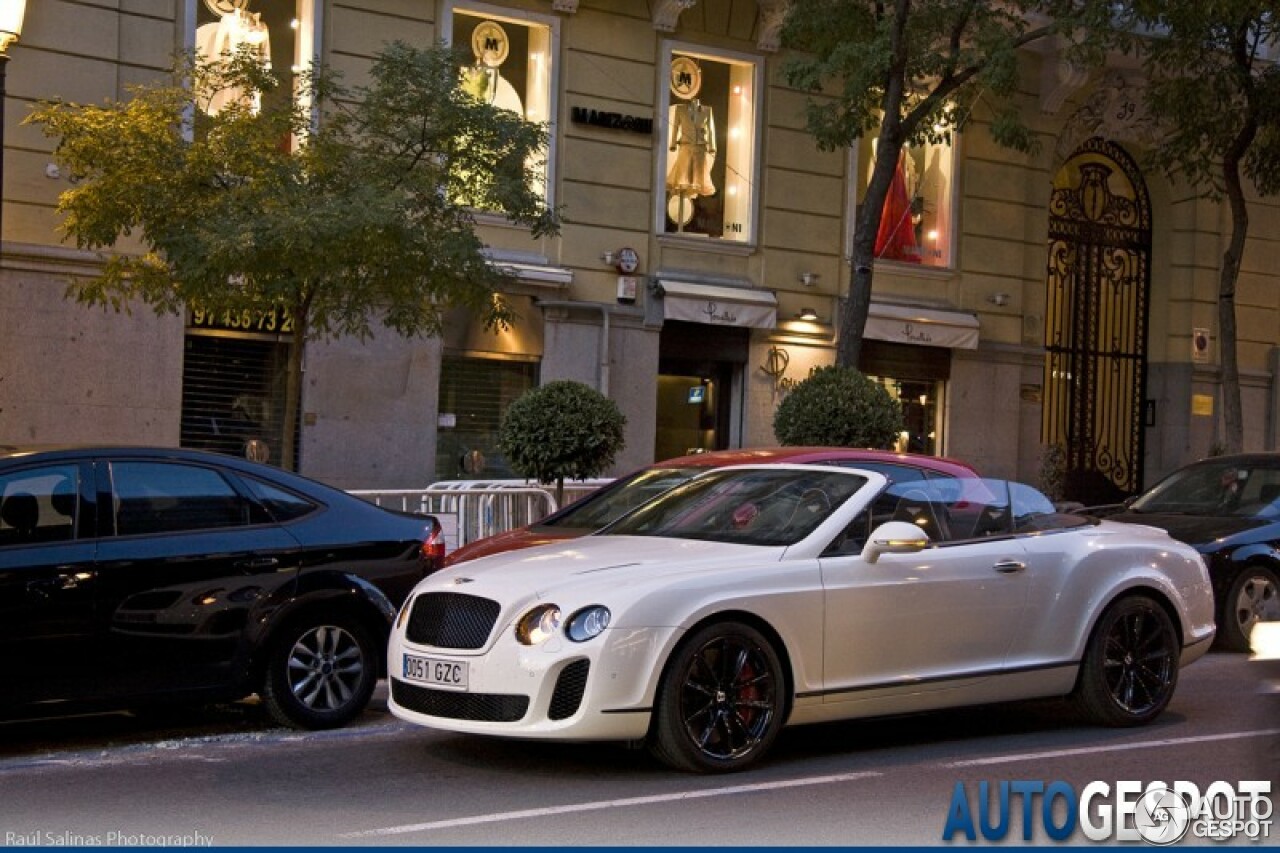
[[758, 596]]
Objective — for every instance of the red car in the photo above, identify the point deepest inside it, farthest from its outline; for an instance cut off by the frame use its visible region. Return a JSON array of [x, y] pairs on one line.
[[597, 509]]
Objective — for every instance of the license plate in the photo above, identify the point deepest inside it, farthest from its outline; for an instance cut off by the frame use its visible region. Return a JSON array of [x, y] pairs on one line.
[[435, 671]]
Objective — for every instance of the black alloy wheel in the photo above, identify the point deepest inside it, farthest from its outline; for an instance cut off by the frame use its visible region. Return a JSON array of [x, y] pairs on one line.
[[720, 702], [1254, 597], [1130, 667], [321, 672]]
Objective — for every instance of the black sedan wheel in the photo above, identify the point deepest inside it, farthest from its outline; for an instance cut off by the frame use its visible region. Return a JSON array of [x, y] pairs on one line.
[[321, 673], [1254, 597], [1130, 667], [720, 703]]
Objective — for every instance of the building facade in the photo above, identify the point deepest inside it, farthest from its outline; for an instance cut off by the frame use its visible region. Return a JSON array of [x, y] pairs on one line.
[[1063, 297]]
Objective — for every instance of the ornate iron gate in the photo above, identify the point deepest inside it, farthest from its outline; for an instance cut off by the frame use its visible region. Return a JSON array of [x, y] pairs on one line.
[[1099, 278]]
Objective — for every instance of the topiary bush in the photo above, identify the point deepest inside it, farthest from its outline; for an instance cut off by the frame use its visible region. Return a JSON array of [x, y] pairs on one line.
[[561, 430], [838, 407]]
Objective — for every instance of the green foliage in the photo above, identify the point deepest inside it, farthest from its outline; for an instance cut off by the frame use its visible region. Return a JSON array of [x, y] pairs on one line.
[[838, 407], [561, 430], [1214, 91], [916, 71], [923, 66], [341, 221], [341, 207]]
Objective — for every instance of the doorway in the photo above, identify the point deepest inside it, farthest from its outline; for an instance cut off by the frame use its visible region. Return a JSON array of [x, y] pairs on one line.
[[699, 379], [1098, 284]]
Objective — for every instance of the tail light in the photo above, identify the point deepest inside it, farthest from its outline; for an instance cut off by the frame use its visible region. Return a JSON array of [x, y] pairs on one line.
[[433, 549]]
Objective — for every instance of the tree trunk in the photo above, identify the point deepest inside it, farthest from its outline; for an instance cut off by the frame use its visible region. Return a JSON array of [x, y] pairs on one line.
[[856, 304], [1232, 411], [293, 386]]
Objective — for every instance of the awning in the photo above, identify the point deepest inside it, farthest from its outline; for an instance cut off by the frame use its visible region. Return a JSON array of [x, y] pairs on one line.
[[718, 305], [930, 327]]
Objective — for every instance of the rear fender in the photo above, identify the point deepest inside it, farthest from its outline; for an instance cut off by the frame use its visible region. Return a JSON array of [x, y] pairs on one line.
[[330, 592]]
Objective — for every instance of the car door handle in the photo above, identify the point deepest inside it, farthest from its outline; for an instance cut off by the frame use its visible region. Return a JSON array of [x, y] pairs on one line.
[[258, 563], [1009, 567]]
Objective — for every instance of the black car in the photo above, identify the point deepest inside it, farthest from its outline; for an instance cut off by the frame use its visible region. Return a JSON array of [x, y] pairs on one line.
[[132, 576], [1228, 507]]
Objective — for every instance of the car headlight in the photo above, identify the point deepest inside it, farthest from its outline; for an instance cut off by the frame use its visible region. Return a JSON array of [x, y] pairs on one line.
[[587, 623], [538, 625]]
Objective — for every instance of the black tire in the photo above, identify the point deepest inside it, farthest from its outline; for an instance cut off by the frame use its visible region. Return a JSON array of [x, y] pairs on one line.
[[720, 701], [1254, 597], [1130, 667], [321, 671]]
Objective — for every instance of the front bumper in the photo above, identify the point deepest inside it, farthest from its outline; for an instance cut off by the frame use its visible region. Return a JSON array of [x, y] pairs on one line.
[[558, 690]]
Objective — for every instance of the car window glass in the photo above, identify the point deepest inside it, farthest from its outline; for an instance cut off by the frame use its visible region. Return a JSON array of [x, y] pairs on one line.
[[282, 504], [1259, 493], [599, 508], [39, 505], [1210, 488], [756, 506], [895, 473], [164, 497], [1033, 512]]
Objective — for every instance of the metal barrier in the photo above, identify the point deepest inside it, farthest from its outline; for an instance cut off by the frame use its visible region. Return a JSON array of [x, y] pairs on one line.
[[473, 509]]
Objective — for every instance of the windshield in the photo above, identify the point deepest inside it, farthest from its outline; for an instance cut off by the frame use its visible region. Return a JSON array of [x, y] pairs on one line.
[[752, 506], [599, 508], [1216, 488]]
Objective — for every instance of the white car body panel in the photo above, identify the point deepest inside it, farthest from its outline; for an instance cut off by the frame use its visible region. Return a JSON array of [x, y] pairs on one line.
[[939, 628]]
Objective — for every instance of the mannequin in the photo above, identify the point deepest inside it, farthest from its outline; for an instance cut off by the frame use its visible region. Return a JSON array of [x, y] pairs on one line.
[[693, 139], [218, 41]]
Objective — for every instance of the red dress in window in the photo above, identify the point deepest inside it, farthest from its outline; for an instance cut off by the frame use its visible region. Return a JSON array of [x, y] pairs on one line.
[[896, 239]]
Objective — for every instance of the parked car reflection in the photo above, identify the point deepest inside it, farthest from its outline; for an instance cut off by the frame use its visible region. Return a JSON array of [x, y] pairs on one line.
[[1228, 507], [131, 576]]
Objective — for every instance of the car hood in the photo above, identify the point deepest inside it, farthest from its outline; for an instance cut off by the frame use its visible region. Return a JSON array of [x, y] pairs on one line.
[[591, 561], [511, 540], [1198, 530]]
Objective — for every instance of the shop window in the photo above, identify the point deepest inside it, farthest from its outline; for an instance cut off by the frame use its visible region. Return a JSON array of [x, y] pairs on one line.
[[474, 395], [233, 388], [281, 33], [512, 64], [916, 227], [708, 160], [915, 376]]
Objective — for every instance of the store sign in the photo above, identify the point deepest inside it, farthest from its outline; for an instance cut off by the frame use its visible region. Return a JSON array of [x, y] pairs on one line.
[[716, 313], [612, 121], [274, 321], [922, 327]]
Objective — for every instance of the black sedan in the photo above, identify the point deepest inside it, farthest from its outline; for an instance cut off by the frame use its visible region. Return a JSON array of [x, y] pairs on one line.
[[1228, 507], [135, 576]]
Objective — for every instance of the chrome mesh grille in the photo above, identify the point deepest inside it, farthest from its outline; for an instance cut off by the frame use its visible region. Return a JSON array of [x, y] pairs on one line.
[[451, 620], [484, 707]]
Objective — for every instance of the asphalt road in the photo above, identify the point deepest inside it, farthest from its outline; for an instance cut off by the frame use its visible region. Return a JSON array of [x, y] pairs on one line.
[[224, 776]]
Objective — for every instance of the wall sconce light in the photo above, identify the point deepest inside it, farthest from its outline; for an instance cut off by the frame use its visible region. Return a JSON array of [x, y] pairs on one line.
[[809, 279], [608, 258], [1000, 299], [808, 314]]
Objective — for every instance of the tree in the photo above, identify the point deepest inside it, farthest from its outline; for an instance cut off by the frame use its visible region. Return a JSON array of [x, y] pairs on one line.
[[916, 70], [838, 407], [1214, 94], [561, 429], [338, 207]]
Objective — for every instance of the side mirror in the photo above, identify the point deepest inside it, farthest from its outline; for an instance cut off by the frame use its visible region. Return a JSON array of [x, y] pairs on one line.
[[894, 537]]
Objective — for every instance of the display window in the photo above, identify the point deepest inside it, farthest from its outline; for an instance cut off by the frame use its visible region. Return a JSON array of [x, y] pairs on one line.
[[708, 161], [512, 66], [916, 226], [281, 33]]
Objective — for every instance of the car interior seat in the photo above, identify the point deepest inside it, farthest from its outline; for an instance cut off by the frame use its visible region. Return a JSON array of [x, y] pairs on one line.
[[21, 512], [915, 507]]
